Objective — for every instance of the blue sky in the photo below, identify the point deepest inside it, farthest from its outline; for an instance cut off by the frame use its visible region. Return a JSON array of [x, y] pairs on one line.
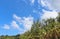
[[16, 16]]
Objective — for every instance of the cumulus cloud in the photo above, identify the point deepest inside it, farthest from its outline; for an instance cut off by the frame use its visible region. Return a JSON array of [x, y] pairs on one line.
[[6, 26], [45, 4], [17, 17], [52, 4], [55, 4], [25, 21], [49, 14], [14, 25], [22, 24], [28, 21]]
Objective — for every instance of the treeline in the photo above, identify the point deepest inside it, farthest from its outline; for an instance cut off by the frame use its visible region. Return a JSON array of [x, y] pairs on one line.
[[48, 29]]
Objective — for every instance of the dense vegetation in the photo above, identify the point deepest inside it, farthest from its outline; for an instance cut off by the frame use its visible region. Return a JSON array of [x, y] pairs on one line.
[[48, 29]]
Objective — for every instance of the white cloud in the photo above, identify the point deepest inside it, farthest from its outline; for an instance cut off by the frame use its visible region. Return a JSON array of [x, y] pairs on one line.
[[14, 25], [17, 18], [46, 3], [49, 14], [25, 21], [6, 26], [55, 4], [43, 3]]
